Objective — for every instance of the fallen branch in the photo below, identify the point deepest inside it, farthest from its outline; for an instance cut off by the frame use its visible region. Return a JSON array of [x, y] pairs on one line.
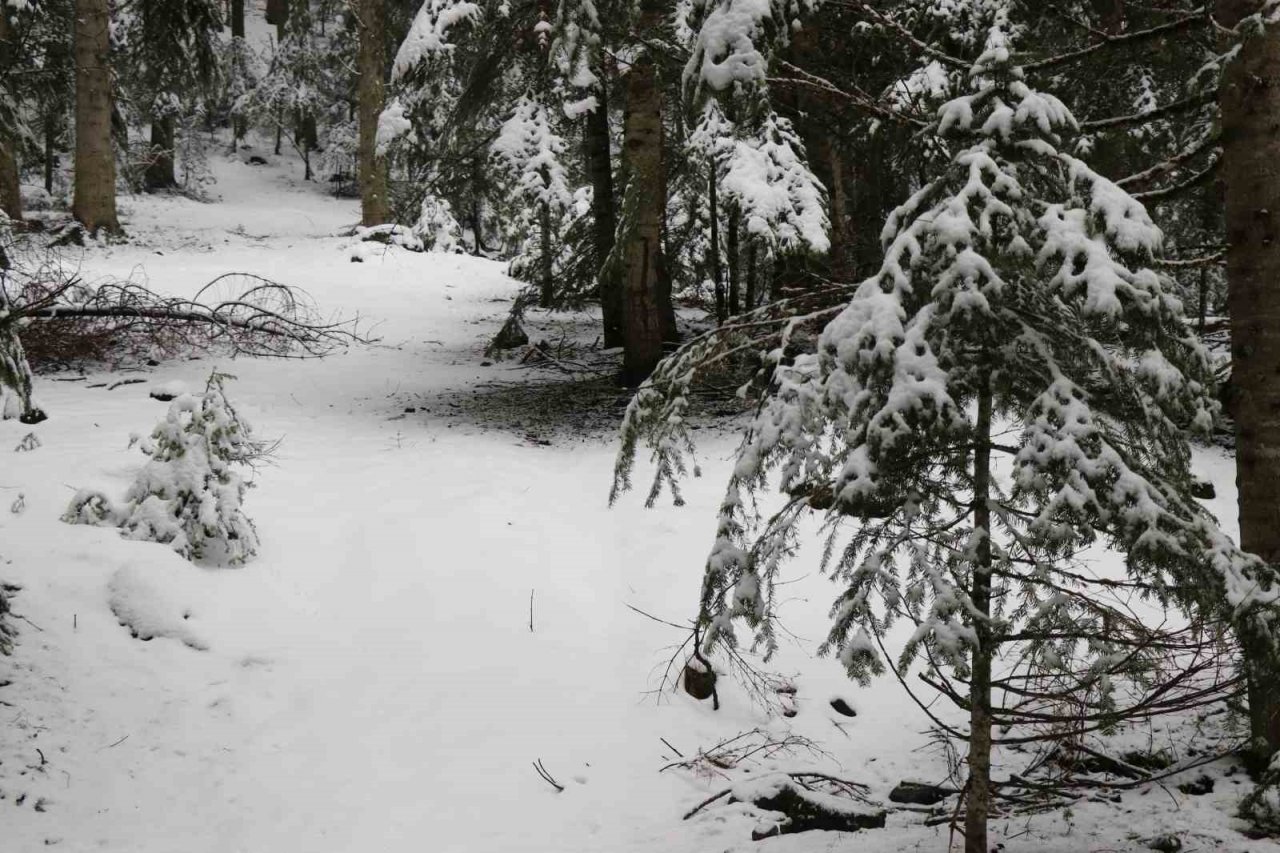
[[547, 777]]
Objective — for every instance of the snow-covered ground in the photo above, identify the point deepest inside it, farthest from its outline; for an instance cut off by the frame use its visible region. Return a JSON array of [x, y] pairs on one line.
[[372, 682]]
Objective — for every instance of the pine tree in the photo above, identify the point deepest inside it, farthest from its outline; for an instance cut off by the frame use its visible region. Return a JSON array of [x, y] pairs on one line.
[[1017, 313]]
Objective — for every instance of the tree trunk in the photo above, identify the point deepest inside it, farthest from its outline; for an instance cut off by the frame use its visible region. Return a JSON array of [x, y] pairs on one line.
[[1250, 102], [978, 798], [547, 272], [595, 145], [10, 187], [371, 62], [278, 14], [237, 32], [50, 143], [751, 276], [717, 268], [10, 184], [735, 303], [94, 203], [159, 174], [839, 254], [643, 264]]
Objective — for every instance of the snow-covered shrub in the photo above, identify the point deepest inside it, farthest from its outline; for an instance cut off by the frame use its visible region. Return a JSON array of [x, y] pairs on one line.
[[189, 493], [437, 227]]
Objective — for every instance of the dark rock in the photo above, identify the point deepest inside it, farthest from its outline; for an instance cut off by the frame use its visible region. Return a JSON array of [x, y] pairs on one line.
[[1199, 786], [255, 160], [1202, 489], [32, 416], [1168, 843], [803, 814], [919, 794], [699, 681], [842, 707], [409, 410]]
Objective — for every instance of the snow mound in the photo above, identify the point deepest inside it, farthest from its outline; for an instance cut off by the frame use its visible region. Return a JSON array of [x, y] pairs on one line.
[[156, 601]]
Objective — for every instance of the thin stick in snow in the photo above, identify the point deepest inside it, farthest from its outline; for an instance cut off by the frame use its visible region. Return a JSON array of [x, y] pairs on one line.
[[531, 611], [542, 771]]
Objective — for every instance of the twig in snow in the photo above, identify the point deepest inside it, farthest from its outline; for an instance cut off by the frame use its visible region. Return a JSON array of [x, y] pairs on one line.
[[28, 621], [672, 748], [530, 611], [117, 743], [43, 760], [542, 771]]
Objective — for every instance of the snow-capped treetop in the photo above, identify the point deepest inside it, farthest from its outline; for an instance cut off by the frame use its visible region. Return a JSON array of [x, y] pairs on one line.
[[530, 150], [429, 32], [781, 200], [576, 49], [731, 43]]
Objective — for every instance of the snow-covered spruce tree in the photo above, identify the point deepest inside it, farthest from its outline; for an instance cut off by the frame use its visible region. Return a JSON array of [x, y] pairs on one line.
[[1017, 314], [529, 151], [189, 493], [771, 202]]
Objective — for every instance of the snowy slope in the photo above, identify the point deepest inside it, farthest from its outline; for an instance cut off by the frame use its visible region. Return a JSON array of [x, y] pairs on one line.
[[371, 681]]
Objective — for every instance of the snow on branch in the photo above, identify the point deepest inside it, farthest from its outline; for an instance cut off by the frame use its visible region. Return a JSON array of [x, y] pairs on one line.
[[429, 33]]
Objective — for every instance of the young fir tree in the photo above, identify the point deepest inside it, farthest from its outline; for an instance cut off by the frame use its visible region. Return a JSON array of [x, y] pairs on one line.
[[1018, 314], [189, 493], [530, 151]]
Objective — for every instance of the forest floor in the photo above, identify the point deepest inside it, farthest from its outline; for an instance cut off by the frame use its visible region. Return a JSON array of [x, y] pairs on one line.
[[442, 598]]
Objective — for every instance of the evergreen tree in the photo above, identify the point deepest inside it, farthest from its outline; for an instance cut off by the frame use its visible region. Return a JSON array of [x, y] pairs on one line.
[[530, 152], [189, 493], [1018, 313]]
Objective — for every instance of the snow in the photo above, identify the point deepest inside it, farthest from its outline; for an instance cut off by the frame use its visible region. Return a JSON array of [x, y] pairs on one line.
[[370, 681], [428, 34]]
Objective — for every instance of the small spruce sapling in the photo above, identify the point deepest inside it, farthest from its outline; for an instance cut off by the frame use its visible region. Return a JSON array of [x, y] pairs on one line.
[[189, 493]]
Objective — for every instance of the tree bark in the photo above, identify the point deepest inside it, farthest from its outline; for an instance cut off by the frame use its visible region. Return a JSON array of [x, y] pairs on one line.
[[717, 268], [735, 289], [1250, 102], [10, 182], [978, 796], [595, 145], [371, 62], [94, 203], [238, 127], [50, 143], [159, 174], [643, 263], [547, 268], [278, 14]]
